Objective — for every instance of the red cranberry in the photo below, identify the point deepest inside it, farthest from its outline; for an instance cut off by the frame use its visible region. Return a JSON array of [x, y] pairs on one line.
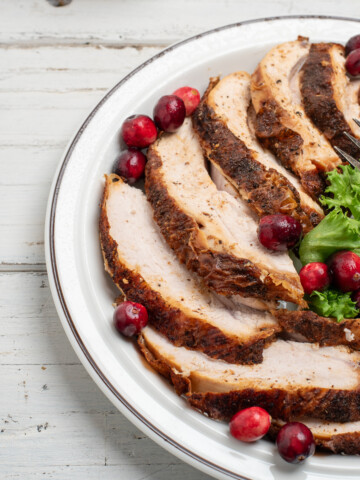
[[250, 424], [352, 63], [190, 97], [169, 113], [352, 44], [130, 318], [314, 276], [130, 165], [345, 270], [355, 297], [138, 131], [295, 442], [279, 232]]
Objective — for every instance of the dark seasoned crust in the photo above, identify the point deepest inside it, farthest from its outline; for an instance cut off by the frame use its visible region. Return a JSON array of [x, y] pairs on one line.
[[332, 405], [325, 331], [178, 326], [283, 142], [318, 96], [222, 272], [181, 383], [266, 190], [346, 443]]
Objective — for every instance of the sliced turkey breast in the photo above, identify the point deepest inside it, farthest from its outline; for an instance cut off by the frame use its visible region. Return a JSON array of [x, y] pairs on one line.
[[333, 436], [222, 124], [309, 326], [330, 99], [147, 271], [305, 325], [294, 380], [281, 123], [210, 231], [222, 184]]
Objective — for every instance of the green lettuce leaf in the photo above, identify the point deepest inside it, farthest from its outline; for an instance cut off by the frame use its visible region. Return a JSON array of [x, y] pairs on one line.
[[335, 232], [332, 303], [345, 189]]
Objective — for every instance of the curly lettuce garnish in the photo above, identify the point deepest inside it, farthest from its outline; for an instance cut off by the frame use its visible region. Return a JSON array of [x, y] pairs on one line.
[[339, 230], [335, 232], [332, 303], [345, 190]]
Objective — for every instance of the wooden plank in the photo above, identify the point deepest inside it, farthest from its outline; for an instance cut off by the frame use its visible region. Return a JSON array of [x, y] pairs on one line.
[[48, 128], [172, 470], [29, 165], [45, 94], [44, 440], [62, 68], [31, 332], [22, 202], [22, 245], [50, 390], [82, 439], [142, 22]]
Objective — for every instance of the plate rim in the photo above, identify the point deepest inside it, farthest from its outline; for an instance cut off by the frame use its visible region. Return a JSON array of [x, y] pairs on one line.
[[80, 348]]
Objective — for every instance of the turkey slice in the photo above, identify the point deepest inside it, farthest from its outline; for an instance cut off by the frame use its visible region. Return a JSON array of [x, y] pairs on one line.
[[281, 123], [223, 124], [294, 380], [330, 98], [210, 231], [147, 271]]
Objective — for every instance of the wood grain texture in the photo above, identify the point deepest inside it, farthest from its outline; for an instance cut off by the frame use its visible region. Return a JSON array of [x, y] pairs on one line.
[[55, 422], [141, 22], [151, 471], [55, 65], [45, 94]]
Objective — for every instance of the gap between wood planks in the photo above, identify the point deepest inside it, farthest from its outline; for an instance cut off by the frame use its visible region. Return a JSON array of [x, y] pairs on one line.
[[98, 43], [22, 267]]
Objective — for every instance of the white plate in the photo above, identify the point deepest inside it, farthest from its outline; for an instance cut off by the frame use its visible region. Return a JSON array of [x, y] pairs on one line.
[[83, 293]]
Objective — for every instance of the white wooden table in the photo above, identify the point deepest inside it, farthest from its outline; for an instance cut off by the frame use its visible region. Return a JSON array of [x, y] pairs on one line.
[[55, 65]]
